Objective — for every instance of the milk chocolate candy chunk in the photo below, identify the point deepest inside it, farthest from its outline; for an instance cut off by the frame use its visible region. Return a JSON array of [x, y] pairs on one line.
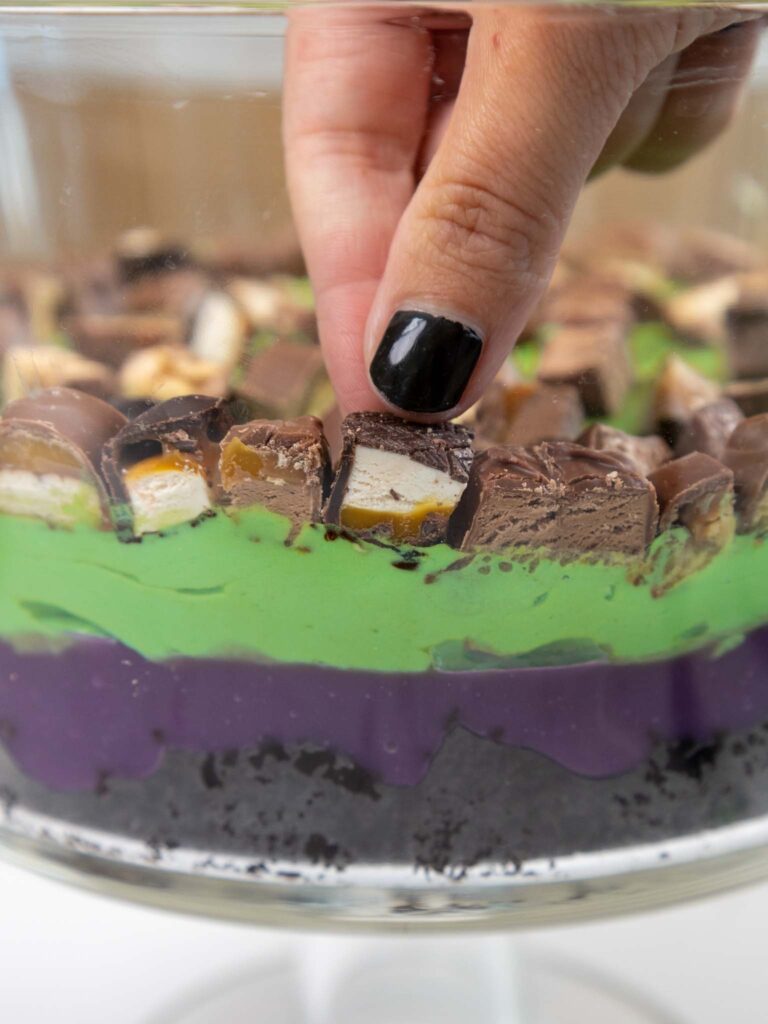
[[751, 396], [594, 359], [747, 457], [161, 467], [679, 392], [278, 381], [283, 465], [558, 496], [525, 413], [589, 300], [747, 335], [112, 338], [709, 428], [644, 453], [696, 491], [399, 480], [50, 455], [699, 314]]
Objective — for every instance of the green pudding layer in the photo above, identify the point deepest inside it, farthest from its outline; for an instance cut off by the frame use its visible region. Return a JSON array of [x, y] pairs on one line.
[[231, 587]]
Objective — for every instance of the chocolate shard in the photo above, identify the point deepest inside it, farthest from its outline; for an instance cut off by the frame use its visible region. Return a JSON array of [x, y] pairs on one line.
[[112, 338], [696, 492], [399, 480], [28, 369], [679, 391], [746, 455], [746, 329], [592, 358], [525, 413], [167, 371], [699, 314], [283, 465], [558, 496], [161, 467], [644, 453], [50, 457], [709, 428], [751, 396], [278, 381]]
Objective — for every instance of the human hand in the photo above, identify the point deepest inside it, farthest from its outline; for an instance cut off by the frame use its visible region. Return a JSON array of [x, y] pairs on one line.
[[434, 163]]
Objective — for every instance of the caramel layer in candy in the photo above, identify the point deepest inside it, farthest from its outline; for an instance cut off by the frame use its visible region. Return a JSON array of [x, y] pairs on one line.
[[709, 428], [27, 370], [399, 480], [161, 467], [751, 396], [594, 359], [111, 338], [526, 413], [283, 465], [696, 491], [50, 456], [679, 391], [644, 453], [746, 455], [558, 496], [278, 381]]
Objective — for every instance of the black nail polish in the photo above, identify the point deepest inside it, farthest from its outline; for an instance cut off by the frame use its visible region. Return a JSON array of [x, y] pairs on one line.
[[423, 362]]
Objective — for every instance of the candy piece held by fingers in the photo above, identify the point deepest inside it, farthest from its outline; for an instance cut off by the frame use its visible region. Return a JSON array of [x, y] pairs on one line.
[[399, 480], [282, 465], [112, 338], [31, 368], [166, 371], [594, 359], [278, 381], [557, 495], [526, 413], [678, 393], [645, 453], [50, 457], [709, 428], [747, 456], [161, 467]]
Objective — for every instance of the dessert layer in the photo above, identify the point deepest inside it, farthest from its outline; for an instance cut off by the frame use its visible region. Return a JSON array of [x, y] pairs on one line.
[[237, 588], [97, 710]]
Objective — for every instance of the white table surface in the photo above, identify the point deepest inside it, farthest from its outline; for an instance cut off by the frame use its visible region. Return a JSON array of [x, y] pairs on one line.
[[74, 958]]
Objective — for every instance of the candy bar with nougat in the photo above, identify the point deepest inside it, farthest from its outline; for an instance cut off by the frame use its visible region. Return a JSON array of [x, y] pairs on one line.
[[645, 453], [283, 465], [161, 467], [559, 496], [399, 480], [594, 359], [527, 412], [678, 392], [746, 455], [50, 457]]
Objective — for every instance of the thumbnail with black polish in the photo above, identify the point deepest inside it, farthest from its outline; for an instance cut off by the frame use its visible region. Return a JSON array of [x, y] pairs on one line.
[[423, 362]]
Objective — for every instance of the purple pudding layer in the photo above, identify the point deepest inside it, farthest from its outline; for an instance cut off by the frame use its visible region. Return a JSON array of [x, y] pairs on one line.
[[96, 709]]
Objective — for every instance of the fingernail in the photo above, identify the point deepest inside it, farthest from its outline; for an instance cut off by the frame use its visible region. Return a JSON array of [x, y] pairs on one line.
[[423, 362]]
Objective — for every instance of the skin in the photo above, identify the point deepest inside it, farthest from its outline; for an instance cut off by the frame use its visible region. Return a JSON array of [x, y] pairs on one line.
[[434, 159]]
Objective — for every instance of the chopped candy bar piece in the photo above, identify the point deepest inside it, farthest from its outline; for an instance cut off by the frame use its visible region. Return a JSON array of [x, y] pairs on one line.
[[218, 331], [747, 456], [399, 480], [747, 334], [709, 428], [166, 371], [751, 396], [112, 338], [696, 491], [678, 393], [645, 453], [526, 413], [278, 381], [31, 368], [594, 359]]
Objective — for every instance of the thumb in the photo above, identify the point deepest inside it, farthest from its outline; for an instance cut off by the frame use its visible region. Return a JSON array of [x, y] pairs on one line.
[[478, 241]]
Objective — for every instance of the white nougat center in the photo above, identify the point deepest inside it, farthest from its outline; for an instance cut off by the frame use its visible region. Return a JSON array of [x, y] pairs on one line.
[[61, 500], [391, 482], [162, 500]]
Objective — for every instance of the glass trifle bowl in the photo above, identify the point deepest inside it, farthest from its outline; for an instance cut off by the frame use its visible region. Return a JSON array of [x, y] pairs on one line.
[[260, 661]]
